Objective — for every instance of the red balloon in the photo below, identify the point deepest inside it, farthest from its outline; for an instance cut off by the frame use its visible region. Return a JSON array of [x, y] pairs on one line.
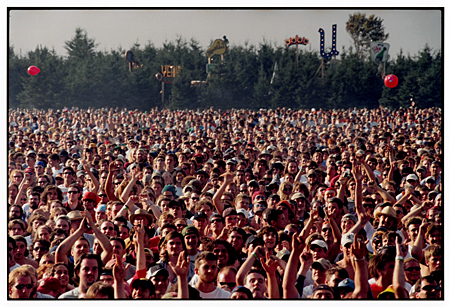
[[391, 81], [33, 70]]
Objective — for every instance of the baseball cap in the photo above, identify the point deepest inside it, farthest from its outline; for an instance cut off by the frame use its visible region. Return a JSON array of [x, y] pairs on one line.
[[90, 195], [244, 290], [41, 163], [322, 263], [319, 243], [430, 179], [142, 283], [157, 270], [254, 240], [347, 238], [346, 283], [200, 214], [48, 284], [190, 230], [244, 212], [216, 215], [322, 287], [29, 170], [100, 208], [412, 177], [350, 216], [229, 211]]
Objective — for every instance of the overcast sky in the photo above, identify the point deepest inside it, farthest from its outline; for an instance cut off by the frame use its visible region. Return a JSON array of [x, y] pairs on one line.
[[409, 30]]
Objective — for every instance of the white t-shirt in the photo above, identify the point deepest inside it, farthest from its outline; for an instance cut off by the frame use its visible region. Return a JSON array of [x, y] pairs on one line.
[[216, 294]]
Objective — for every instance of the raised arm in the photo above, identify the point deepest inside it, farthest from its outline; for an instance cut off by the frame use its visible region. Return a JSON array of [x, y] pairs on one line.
[[66, 245], [248, 263], [108, 184], [26, 182], [342, 187], [398, 278], [383, 193], [181, 269], [290, 274], [368, 170], [140, 247], [87, 169], [334, 249], [417, 247], [358, 175], [135, 174], [128, 206], [358, 259], [270, 266], [119, 273], [313, 216], [102, 238], [416, 211], [217, 201]]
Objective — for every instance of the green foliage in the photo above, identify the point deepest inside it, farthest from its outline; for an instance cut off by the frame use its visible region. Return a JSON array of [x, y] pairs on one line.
[[87, 78], [364, 30]]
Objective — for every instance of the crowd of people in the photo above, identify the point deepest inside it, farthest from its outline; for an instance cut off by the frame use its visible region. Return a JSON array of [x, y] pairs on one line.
[[236, 204]]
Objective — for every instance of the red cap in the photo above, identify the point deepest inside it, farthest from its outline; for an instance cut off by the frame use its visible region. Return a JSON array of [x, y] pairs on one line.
[[48, 284], [285, 202], [256, 193], [91, 196]]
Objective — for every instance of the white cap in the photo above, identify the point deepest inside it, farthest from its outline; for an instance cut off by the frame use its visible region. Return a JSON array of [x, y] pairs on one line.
[[243, 211]]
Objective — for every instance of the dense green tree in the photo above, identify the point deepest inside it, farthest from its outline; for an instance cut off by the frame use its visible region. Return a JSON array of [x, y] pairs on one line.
[[45, 89], [363, 30], [88, 78]]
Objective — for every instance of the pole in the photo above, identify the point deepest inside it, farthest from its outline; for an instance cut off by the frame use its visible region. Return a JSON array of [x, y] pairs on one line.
[[323, 69], [296, 56], [162, 90]]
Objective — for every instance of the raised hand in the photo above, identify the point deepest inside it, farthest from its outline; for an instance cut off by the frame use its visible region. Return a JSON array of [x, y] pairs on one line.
[[298, 243], [314, 213], [357, 173], [306, 258], [84, 226], [270, 265], [113, 167], [140, 233], [402, 250], [119, 270], [228, 177], [182, 267], [358, 248]]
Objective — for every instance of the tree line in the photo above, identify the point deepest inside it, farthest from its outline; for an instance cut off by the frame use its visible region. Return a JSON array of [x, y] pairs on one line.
[[244, 79]]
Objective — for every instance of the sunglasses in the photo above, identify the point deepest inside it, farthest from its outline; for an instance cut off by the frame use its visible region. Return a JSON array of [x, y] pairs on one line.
[[195, 198], [72, 192], [326, 229], [413, 268], [21, 286], [290, 233], [180, 225], [287, 189], [429, 288], [260, 197], [40, 248]]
